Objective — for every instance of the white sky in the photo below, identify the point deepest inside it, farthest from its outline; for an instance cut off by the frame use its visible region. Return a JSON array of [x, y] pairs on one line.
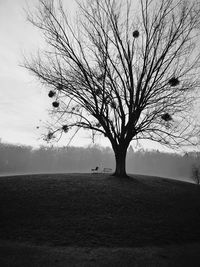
[[23, 101]]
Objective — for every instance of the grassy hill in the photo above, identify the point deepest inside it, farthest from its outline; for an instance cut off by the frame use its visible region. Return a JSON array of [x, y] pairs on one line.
[[85, 210]]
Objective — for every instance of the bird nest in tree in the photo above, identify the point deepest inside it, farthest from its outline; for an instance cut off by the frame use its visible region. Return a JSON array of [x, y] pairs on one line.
[[55, 104], [98, 125], [107, 100], [98, 91], [136, 34], [166, 117], [174, 81], [50, 136], [51, 93], [100, 77], [65, 128], [113, 104], [60, 86]]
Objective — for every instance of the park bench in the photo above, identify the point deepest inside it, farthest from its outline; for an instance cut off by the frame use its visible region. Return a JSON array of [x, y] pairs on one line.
[[95, 170], [98, 170], [107, 170]]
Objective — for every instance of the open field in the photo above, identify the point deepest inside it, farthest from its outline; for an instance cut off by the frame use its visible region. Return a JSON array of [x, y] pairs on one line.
[[94, 220]]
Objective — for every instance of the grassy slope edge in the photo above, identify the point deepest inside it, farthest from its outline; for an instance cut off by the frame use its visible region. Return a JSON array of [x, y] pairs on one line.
[[83, 210]]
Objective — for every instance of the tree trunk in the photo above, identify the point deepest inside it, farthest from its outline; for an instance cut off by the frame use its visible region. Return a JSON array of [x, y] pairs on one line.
[[120, 160]]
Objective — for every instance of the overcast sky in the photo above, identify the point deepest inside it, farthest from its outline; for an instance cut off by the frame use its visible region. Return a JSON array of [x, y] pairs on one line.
[[23, 101]]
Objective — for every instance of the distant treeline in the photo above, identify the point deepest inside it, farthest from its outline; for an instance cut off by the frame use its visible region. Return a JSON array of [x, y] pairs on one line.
[[24, 159]]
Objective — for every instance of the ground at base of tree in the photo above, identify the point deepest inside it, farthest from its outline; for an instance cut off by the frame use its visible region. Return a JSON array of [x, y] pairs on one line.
[[98, 217], [23, 254]]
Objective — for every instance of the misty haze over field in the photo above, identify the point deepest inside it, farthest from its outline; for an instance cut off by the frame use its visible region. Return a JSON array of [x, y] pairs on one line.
[[24, 160]]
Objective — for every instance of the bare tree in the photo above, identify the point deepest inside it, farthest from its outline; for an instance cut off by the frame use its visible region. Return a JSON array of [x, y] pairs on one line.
[[126, 71]]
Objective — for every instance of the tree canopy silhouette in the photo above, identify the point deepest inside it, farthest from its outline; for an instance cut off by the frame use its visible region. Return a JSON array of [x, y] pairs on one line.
[[125, 70]]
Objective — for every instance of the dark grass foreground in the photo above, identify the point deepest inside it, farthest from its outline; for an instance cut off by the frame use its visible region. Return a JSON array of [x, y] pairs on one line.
[[98, 211]]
